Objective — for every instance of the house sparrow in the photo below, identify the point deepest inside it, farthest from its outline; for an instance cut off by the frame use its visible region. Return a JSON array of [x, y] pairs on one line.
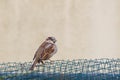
[[46, 50]]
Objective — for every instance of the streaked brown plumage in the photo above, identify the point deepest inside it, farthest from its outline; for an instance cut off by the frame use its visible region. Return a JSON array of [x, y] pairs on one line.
[[46, 50]]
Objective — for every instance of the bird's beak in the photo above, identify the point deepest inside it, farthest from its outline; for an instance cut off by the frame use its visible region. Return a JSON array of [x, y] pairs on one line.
[[54, 41]]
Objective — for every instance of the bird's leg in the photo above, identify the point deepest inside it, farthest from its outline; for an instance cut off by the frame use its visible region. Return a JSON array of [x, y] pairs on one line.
[[51, 61], [42, 62]]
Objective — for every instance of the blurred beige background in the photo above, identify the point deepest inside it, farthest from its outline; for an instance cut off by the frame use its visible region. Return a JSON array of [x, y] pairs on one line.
[[83, 28]]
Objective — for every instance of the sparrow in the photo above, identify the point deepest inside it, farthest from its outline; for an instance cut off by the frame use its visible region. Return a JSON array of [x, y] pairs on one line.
[[46, 50]]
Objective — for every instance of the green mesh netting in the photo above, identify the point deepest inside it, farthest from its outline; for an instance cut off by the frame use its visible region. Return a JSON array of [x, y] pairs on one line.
[[80, 69]]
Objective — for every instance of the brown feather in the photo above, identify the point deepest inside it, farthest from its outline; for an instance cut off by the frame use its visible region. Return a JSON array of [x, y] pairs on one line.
[[44, 52]]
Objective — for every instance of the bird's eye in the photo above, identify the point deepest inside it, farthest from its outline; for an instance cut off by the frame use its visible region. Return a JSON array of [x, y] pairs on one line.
[[49, 37]]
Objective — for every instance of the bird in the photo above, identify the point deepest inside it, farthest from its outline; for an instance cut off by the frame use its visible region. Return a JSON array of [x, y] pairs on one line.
[[45, 51]]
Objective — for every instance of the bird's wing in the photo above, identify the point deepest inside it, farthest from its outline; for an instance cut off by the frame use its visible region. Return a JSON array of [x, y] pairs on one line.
[[39, 50], [49, 48]]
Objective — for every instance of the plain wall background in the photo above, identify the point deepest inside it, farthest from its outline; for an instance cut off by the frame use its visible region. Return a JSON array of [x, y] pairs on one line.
[[83, 28]]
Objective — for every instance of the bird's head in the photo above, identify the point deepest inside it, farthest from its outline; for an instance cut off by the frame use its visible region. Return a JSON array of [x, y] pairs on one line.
[[52, 39]]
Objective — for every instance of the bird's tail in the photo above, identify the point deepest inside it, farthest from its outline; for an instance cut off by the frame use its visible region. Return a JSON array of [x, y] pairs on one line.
[[33, 65]]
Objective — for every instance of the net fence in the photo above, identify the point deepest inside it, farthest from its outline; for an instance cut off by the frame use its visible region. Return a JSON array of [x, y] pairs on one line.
[[79, 69]]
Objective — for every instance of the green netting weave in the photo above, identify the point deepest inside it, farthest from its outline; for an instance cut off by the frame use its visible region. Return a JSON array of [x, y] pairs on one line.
[[79, 69]]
